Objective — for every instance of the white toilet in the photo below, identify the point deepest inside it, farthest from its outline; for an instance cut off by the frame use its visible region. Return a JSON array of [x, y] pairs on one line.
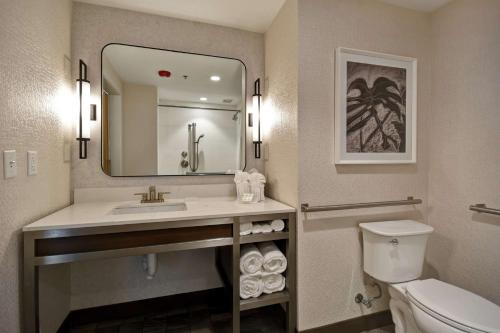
[[394, 253]]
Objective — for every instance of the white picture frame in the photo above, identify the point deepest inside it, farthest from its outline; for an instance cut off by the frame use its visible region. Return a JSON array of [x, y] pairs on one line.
[[383, 133]]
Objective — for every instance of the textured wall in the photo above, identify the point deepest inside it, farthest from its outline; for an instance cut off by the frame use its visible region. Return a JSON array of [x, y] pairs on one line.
[[329, 244], [35, 37], [280, 105], [464, 153], [95, 26]]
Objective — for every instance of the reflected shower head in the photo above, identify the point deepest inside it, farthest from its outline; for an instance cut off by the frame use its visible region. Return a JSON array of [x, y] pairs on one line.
[[201, 136]]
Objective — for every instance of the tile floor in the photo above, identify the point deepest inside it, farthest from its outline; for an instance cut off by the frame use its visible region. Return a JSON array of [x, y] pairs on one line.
[[208, 313], [197, 318]]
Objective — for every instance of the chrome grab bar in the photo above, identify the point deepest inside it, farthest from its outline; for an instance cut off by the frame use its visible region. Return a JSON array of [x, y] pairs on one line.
[[409, 201], [481, 208]]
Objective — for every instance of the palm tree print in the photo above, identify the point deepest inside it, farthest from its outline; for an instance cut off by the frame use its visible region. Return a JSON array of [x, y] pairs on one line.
[[376, 119]]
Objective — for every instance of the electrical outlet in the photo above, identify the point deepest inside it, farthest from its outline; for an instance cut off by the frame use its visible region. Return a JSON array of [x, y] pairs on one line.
[[32, 163], [9, 164]]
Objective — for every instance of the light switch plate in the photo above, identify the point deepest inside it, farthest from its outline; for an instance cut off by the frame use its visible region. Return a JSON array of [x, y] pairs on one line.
[[32, 163], [9, 164]]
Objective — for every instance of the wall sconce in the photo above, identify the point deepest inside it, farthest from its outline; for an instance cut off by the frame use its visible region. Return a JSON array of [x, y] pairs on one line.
[[254, 118], [87, 111]]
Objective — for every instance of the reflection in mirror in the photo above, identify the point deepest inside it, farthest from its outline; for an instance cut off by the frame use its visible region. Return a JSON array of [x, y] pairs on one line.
[[171, 113]]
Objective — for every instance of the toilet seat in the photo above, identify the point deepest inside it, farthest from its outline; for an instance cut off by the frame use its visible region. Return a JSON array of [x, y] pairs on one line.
[[454, 306]]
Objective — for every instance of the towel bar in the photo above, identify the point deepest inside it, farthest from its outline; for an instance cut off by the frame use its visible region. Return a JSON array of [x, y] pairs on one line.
[[409, 201]]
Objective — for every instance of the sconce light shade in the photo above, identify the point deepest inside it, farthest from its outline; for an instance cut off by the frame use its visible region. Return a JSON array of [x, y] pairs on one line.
[[83, 120], [254, 118], [83, 115]]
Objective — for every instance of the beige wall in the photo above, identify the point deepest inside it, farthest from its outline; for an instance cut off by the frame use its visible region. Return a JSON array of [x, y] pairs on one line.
[[34, 103], [329, 245], [121, 280], [140, 124], [94, 26], [280, 105], [464, 151]]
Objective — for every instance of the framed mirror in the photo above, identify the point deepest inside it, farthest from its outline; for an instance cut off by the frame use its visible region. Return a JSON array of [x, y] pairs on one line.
[[170, 113]]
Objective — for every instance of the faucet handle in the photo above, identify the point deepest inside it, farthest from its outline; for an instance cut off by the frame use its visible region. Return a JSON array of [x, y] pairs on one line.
[[161, 194], [144, 197]]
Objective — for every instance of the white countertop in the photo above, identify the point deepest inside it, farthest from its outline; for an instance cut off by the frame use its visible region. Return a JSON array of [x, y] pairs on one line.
[[99, 214]]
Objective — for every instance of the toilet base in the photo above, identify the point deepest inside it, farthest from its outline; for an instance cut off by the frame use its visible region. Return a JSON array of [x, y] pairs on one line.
[[401, 312]]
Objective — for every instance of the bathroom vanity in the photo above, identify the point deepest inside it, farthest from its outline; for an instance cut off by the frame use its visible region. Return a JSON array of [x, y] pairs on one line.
[[110, 229]]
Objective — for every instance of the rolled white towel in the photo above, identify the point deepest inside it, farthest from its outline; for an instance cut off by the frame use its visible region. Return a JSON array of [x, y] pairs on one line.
[[274, 259], [246, 228], [250, 259], [251, 286], [257, 228], [273, 282], [265, 227], [261, 228], [278, 225]]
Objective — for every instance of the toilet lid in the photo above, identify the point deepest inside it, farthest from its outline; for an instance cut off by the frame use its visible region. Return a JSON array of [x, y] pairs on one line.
[[456, 305]]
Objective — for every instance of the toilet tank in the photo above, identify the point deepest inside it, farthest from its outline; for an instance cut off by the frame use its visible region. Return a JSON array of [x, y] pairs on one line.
[[393, 251]]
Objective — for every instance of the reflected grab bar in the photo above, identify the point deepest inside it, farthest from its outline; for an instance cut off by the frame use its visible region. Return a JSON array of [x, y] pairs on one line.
[[409, 201], [481, 208]]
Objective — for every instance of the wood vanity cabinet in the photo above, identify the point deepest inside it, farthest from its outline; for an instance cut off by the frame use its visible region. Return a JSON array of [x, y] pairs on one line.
[[57, 246]]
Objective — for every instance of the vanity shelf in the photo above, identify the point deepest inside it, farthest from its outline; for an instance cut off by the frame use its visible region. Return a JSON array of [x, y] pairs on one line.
[[265, 300], [72, 235], [257, 238]]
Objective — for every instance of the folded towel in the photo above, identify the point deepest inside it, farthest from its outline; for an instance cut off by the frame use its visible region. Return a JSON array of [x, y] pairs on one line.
[[246, 228], [273, 282], [256, 177], [251, 286], [277, 225], [274, 259], [250, 259], [240, 177]]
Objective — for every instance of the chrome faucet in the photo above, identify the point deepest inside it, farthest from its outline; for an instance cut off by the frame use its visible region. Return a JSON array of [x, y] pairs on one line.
[[152, 192], [152, 196]]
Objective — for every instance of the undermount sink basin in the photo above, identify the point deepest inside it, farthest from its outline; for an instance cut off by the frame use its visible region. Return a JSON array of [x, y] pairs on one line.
[[140, 208]]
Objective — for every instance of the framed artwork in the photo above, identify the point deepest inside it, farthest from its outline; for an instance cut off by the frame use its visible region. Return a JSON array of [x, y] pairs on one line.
[[375, 108]]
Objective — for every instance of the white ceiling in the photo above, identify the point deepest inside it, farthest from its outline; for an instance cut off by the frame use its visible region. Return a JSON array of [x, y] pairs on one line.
[[251, 15], [141, 65], [420, 5]]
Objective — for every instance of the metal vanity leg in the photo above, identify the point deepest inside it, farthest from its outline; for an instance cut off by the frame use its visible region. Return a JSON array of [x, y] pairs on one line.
[[30, 287], [236, 275], [291, 254]]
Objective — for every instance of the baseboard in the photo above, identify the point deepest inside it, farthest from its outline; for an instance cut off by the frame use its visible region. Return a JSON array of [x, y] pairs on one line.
[[356, 325], [137, 308]]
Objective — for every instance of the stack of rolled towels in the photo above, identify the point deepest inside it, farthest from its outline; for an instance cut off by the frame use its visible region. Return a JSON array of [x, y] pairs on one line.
[[261, 267], [261, 227]]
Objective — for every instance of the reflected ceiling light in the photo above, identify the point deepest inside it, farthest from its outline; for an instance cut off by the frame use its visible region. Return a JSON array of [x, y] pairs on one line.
[[203, 99], [215, 78]]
